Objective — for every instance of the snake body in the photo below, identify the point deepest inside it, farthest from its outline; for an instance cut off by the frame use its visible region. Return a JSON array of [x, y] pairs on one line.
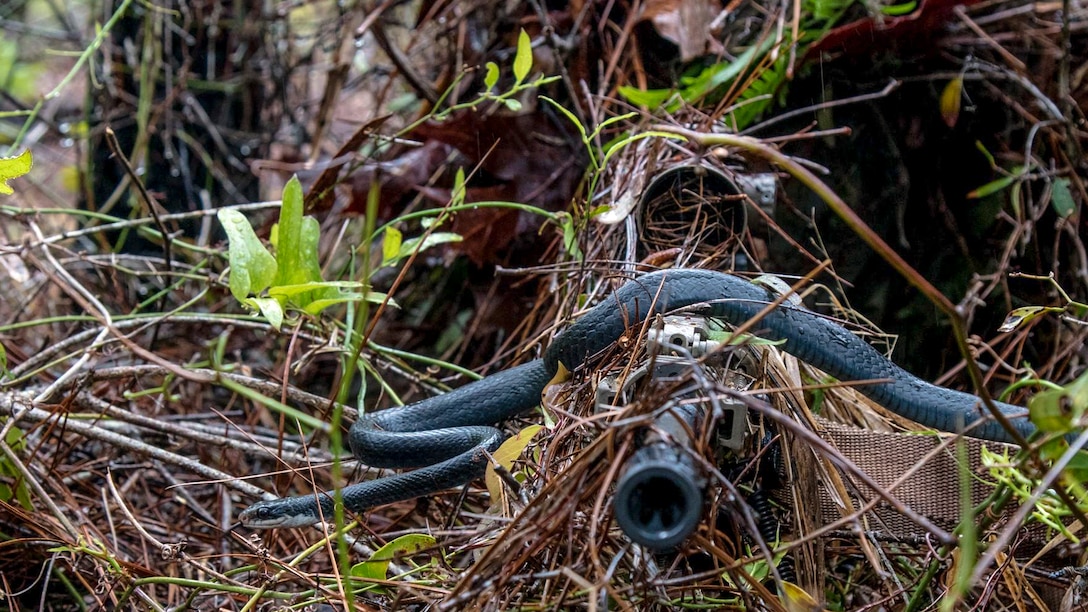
[[444, 435]]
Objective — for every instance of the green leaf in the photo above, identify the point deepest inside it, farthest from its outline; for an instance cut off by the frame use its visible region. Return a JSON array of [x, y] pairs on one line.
[[523, 61], [797, 598], [616, 146], [986, 153], [732, 339], [599, 210], [310, 243], [16, 440], [511, 104], [1019, 316], [252, 267], [607, 122], [492, 76], [650, 98], [377, 567], [570, 235], [395, 249], [315, 307], [896, 10], [995, 186], [1046, 411], [759, 93], [293, 261], [950, 101], [14, 167], [377, 297], [1076, 469], [3, 360], [1062, 199], [1060, 410], [823, 10], [721, 73], [457, 194], [391, 243], [270, 309], [506, 454], [287, 291], [428, 241]]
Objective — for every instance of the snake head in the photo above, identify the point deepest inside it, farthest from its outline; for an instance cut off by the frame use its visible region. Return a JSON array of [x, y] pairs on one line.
[[280, 513]]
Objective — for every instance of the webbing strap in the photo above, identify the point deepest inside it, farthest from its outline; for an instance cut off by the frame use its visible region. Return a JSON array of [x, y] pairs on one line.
[[922, 471]]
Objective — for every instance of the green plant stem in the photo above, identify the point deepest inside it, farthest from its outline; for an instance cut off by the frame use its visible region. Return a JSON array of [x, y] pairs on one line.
[[434, 212], [985, 512], [276, 406], [1079, 308], [216, 586], [116, 223], [357, 340], [256, 596], [425, 360], [91, 49]]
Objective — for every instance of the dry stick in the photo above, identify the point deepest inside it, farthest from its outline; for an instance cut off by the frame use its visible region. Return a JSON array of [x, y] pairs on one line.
[[874, 241], [1072, 145], [115, 148], [415, 80], [836, 482], [165, 549], [562, 48], [513, 538], [795, 290], [17, 406], [263, 386], [86, 231], [994, 70], [13, 460], [178, 318], [152, 208], [86, 300], [1009, 58], [103, 407]]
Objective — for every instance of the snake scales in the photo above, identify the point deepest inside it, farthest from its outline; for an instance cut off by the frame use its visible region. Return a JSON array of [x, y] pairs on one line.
[[443, 435]]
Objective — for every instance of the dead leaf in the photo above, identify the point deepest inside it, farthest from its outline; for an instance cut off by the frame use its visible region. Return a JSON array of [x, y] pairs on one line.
[[916, 30], [950, 101], [687, 24]]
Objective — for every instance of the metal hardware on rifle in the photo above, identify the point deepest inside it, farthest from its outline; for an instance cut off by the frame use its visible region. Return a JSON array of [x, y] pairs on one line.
[[762, 188], [659, 496]]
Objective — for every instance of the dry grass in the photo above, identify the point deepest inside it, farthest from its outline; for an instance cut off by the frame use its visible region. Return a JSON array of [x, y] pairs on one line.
[[129, 443]]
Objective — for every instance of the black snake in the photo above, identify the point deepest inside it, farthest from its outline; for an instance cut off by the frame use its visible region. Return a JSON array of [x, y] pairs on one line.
[[443, 435]]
